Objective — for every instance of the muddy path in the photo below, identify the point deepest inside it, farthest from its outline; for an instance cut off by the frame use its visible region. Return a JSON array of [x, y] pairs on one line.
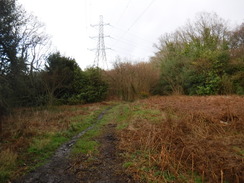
[[106, 168]]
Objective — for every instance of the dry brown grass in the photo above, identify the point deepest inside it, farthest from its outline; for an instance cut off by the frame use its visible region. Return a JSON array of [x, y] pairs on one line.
[[28, 127], [7, 159], [25, 123], [198, 135]]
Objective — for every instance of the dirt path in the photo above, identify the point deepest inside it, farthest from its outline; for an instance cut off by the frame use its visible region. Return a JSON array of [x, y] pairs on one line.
[[106, 168]]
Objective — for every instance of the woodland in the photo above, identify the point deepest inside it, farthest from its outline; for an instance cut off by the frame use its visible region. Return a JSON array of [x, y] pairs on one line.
[[182, 110], [203, 57]]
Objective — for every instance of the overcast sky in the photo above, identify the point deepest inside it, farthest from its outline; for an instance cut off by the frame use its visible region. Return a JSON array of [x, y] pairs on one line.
[[135, 25]]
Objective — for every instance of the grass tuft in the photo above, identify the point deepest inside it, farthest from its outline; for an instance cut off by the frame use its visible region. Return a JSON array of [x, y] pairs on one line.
[[8, 160], [86, 144]]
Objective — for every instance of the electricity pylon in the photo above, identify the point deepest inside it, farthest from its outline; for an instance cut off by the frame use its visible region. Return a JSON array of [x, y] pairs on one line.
[[100, 55]]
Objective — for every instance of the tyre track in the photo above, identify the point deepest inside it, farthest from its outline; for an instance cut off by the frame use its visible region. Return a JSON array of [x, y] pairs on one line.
[[55, 171]]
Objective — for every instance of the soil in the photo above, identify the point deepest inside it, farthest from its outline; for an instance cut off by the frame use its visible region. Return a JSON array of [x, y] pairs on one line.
[[105, 168]]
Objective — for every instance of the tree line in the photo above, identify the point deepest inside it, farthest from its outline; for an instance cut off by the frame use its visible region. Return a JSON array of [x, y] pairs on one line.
[[30, 75], [204, 57]]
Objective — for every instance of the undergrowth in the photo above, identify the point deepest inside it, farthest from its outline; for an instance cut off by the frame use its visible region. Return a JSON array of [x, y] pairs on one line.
[[163, 139], [184, 139], [31, 136]]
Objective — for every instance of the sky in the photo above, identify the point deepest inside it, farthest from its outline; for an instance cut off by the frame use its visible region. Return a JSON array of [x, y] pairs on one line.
[[131, 27]]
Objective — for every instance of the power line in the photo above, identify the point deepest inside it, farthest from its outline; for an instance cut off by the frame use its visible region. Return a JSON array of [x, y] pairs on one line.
[[128, 3], [132, 34], [137, 19], [142, 13], [126, 51], [134, 44]]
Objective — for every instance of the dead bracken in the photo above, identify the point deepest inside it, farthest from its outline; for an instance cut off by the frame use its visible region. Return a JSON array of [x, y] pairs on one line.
[[191, 142]]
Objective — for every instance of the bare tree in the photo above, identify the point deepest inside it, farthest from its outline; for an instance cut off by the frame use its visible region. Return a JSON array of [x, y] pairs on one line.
[[130, 81]]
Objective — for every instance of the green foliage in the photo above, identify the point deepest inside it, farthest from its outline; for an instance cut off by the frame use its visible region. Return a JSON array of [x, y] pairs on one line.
[[210, 85], [5, 90], [12, 68], [67, 83], [198, 59], [173, 83], [19, 35], [60, 76], [94, 87]]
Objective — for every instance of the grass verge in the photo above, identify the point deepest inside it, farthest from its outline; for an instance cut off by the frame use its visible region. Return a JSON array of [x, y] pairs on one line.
[[31, 136]]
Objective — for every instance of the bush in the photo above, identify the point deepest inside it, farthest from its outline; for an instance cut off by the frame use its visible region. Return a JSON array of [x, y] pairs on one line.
[[94, 87]]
